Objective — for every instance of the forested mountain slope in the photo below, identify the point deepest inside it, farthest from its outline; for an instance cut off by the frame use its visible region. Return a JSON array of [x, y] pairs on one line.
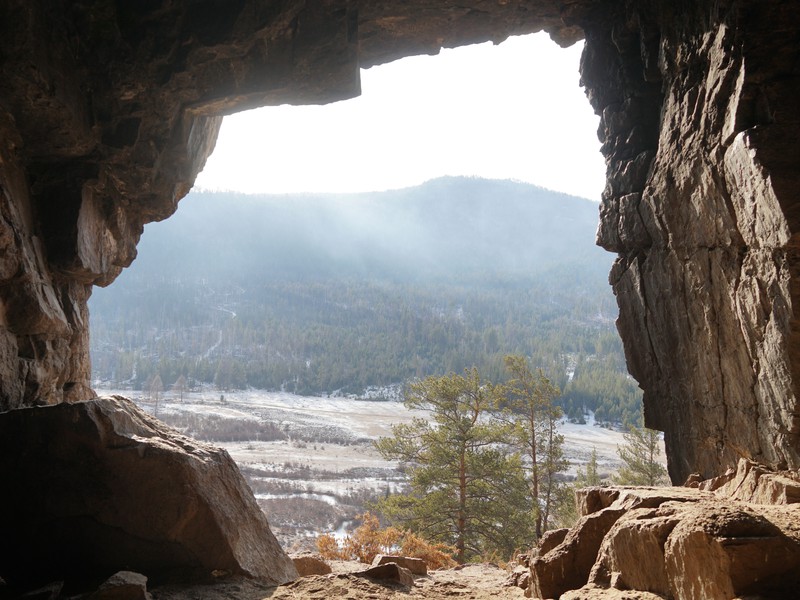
[[324, 293]]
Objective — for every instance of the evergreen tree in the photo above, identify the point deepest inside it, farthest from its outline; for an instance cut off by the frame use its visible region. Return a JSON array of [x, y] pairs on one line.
[[567, 511], [467, 490], [640, 457], [528, 403], [180, 386], [592, 476]]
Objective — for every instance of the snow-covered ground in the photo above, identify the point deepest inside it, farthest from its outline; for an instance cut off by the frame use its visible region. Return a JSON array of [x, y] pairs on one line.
[[311, 461], [335, 433]]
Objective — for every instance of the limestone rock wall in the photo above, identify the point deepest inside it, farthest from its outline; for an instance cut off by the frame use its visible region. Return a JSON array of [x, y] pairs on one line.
[[699, 122], [109, 109]]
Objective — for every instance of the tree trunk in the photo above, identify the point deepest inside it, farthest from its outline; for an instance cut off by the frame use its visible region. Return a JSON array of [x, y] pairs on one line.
[[461, 524], [535, 475]]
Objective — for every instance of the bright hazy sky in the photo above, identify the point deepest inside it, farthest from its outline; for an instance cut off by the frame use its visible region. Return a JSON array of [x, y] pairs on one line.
[[511, 111]]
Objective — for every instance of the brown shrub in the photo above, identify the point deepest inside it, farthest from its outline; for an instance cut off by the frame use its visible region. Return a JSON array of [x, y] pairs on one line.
[[369, 539], [437, 555]]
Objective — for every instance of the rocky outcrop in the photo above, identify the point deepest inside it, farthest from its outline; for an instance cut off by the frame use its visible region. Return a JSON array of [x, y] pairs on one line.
[[389, 572], [100, 486], [700, 131], [124, 585], [673, 543]]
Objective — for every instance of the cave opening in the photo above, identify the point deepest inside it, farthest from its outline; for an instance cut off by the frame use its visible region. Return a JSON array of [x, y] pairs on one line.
[[109, 110], [470, 130]]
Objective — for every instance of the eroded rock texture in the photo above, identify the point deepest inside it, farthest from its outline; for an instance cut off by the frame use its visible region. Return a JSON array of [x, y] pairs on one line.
[[109, 109], [676, 543], [700, 128]]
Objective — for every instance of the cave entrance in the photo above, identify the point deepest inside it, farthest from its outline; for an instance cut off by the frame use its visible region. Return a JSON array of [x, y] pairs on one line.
[[340, 290]]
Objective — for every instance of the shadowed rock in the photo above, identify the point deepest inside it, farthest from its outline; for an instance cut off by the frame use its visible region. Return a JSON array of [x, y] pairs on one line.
[[100, 486], [388, 572]]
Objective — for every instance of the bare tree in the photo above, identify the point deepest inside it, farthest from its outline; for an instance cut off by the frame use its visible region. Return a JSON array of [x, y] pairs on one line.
[[180, 386], [156, 387]]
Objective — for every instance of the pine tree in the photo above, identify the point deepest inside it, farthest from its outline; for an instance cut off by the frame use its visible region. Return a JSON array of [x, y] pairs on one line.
[[640, 457], [591, 477], [180, 386], [467, 490], [566, 514], [528, 403]]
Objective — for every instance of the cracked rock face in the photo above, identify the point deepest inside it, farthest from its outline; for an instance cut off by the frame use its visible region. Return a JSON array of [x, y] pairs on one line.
[[700, 125], [109, 109]]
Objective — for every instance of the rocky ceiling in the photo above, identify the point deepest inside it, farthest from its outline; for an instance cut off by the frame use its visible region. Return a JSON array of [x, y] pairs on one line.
[[108, 110]]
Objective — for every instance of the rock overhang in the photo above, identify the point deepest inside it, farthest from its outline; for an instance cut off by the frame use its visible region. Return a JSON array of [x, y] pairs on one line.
[[109, 110]]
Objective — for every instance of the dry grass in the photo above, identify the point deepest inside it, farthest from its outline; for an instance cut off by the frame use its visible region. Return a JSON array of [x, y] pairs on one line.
[[369, 539]]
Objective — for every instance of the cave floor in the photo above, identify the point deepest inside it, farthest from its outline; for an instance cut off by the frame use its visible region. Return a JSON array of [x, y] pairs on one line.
[[472, 582]]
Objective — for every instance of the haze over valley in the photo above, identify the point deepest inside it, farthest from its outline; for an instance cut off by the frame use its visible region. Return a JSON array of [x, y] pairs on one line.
[[278, 326], [349, 294]]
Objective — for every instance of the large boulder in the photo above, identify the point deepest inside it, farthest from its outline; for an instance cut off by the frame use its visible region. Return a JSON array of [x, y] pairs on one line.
[[676, 543], [97, 487]]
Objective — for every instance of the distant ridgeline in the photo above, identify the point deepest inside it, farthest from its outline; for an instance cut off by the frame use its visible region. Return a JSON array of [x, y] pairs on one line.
[[338, 293]]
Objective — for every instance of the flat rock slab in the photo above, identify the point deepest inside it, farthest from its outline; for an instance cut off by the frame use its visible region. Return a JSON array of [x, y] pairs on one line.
[[100, 486]]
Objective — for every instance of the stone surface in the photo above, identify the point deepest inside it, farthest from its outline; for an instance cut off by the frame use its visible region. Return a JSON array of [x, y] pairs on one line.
[[416, 566], [720, 552], [123, 585], [310, 564], [552, 538], [567, 566], [681, 544], [701, 205], [591, 592], [476, 581], [632, 554], [51, 591], [100, 486], [391, 572], [753, 483]]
